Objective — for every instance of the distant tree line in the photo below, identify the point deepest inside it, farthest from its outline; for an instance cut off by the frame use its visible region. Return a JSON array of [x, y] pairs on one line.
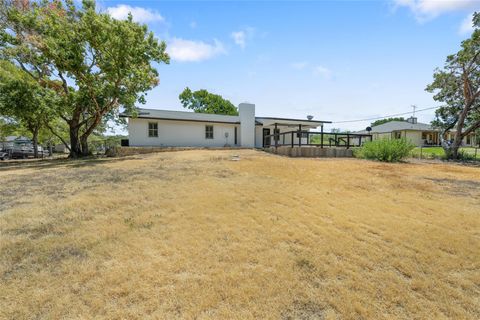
[[382, 121]]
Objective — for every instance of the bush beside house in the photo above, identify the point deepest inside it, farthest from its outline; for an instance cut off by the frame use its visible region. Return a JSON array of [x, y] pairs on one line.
[[386, 150]]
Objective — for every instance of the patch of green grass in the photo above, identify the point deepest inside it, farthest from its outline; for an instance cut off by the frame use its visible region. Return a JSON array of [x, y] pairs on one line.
[[439, 153]]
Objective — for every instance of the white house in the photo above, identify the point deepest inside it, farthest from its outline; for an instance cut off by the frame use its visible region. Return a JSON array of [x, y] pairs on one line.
[[420, 134], [166, 128]]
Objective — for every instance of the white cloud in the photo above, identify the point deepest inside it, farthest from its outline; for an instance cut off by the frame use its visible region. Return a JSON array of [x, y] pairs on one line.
[[190, 50], [428, 9], [323, 72], [466, 27], [139, 14], [240, 37], [300, 65]]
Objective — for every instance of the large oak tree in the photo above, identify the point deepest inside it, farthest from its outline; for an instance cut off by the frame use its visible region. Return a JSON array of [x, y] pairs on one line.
[[457, 86], [95, 63]]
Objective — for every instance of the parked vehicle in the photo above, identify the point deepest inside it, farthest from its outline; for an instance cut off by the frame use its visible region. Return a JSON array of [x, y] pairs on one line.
[[24, 152], [4, 155]]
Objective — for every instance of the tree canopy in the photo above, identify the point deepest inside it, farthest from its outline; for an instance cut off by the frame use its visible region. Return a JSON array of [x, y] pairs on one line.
[[24, 101], [382, 121], [202, 101], [93, 62], [457, 86]]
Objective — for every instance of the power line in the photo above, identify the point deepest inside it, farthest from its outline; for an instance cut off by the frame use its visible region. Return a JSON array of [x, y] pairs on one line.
[[389, 116]]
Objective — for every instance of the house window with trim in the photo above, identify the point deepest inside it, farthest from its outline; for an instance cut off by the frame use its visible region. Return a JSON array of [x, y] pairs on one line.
[[153, 129], [208, 132]]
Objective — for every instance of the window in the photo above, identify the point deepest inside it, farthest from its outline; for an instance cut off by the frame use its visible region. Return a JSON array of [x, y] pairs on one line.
[[397, 134], [469, 141], [153, 129], [208, 132]]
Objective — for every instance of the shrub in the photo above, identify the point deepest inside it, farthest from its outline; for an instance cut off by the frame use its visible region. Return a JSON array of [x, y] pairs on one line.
[[464, 155], [387, 150]]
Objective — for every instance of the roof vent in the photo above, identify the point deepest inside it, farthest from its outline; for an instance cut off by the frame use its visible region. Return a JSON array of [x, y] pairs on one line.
[[309, 117], [412, 120]]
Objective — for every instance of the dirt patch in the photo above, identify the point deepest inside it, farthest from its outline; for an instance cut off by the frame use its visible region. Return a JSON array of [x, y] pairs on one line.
[[304, 310], [457, 186]]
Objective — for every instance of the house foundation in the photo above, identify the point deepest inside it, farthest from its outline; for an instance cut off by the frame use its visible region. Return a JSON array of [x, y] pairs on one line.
[[311, 152]]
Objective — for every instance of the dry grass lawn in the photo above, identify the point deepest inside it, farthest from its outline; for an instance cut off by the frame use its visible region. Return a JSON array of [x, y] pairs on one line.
[[195, 235]]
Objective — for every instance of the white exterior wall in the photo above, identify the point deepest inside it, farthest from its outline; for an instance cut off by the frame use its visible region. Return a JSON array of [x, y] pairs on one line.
[[246, 112], [173, 133], [258, 136], [414, 137]]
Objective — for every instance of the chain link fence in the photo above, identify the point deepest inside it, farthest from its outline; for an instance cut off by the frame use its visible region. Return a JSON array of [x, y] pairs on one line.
[[432, 153]]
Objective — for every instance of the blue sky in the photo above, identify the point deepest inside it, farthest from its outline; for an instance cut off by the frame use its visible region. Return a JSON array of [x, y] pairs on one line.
[[336, 60]]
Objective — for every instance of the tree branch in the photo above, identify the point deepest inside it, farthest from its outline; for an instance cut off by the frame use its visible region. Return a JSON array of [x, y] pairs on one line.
[[64, 83], [58, 136], [472, 128], [26, 70]]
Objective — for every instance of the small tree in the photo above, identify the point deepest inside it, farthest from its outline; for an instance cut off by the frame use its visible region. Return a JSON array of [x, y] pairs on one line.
[[202, 101], [23, 100], [95, 63], [457, 85]]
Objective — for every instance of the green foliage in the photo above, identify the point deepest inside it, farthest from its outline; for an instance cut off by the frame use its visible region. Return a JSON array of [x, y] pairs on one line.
[[24, 101], [93, 62], [457, 86], [382, 121], [386, 150], [202, 101], [464, 155]]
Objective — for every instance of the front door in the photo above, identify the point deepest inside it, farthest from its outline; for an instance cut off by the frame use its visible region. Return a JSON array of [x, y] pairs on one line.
[[266, 141]]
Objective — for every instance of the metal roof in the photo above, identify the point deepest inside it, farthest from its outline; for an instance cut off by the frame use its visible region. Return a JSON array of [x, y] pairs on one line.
[[206, 117], [183, 116], [401, 125]]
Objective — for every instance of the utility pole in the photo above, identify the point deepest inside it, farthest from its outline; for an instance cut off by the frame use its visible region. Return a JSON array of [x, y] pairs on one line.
[[414, 108]]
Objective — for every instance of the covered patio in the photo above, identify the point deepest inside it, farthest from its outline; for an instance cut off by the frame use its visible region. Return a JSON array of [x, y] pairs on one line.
[[299, 133], [285, 131]]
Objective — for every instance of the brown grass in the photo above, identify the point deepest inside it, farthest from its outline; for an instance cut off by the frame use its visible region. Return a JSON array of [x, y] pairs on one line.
[[195, 235]]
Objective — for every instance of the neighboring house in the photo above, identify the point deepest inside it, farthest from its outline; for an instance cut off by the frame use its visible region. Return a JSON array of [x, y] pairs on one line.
[[420, 134], [165, 128], [61, 148]]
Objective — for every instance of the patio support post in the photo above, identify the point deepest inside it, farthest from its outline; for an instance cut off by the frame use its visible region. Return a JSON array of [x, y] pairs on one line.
[[321, 136], [299, 135], [275, 135], [348, 140], [293, 134]]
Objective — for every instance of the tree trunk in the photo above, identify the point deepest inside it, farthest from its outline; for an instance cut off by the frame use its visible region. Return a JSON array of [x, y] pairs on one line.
[[35, 142], [75, 148], [84, 144], [451, 148]]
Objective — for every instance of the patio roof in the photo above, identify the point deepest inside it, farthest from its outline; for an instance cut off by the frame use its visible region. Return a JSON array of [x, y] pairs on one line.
[[289, 122]]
